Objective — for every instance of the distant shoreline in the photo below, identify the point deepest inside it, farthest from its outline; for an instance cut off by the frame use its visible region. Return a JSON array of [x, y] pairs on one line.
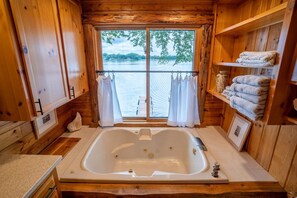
[[133, 57]]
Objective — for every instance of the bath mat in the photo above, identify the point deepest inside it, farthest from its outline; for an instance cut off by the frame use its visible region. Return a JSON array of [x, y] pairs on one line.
[[61, 146]]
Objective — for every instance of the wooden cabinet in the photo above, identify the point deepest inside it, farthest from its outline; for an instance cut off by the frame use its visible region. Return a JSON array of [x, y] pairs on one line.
[[73, 41], [15, 101], [38, 31], [49, 187]]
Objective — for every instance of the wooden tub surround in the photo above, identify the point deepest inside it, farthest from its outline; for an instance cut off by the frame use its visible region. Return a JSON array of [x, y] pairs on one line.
[[246, 177]]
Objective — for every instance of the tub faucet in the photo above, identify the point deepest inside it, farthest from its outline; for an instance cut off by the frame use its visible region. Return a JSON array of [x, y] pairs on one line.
[[215, 170]]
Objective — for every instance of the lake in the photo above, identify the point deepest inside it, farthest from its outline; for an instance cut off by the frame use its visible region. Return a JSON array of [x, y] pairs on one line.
[[131, 86]]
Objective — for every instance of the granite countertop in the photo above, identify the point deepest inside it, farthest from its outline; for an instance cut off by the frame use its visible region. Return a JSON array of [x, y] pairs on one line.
[[21, 175]]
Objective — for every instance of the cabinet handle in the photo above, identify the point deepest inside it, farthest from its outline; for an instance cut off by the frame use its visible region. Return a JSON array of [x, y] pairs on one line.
[[40, 106], [50, 192], [73, 92]]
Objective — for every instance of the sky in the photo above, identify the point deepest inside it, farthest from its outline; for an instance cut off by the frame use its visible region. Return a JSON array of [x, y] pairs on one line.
[[124, 46]]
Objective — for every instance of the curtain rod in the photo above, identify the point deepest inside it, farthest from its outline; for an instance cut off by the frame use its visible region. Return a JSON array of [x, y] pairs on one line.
[[142, 71]]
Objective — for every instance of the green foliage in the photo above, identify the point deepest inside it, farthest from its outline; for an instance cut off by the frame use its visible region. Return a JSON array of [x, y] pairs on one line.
[[183, 42]]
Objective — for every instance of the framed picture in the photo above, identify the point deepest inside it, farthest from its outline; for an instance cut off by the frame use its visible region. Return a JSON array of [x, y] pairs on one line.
[[238, 131]]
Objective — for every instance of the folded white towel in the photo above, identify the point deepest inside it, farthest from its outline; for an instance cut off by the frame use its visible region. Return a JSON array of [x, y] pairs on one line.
[[255, 63], [247, 105], [248, 89], [227, 93], [252, 116], [252, 98], [263, 56], [252, 80]]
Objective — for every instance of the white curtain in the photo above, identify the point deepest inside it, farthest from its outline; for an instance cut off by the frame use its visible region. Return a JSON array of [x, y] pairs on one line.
[[183, 104], [109, 107]]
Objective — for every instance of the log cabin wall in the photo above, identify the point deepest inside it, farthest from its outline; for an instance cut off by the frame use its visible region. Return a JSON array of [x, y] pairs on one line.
[[20, 138], [272, 146], [133, 13]]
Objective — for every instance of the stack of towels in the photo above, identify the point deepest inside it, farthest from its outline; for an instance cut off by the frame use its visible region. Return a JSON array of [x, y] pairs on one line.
[[257, 59], [248, 95]]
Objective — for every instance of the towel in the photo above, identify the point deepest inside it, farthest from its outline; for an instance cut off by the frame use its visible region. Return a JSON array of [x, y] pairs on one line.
[[252, 80], [251, 116], [262, 56], [255, 63], [247, 105], [252, 98], [248, 89], [227, 93]]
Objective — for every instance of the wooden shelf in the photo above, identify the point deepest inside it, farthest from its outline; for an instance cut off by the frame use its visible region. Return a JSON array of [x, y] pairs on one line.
[[229, 64], [219, 96], [293, 83], [270, 17], [290, 119]]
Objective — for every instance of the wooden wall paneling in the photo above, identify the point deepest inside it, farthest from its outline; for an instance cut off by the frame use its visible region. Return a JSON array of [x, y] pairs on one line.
[[273, 37], [228, 116], [283, 153], [95, 7], [92, 63], [64, 117], [255, 139], [267, 145], [73, 41], [203, 63], [213, 109], [277, 99], [82, 105], [23, 143], [291, 184], [148, 19]]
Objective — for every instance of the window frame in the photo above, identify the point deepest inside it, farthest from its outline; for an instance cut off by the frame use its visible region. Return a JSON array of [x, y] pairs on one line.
[[147, 29]]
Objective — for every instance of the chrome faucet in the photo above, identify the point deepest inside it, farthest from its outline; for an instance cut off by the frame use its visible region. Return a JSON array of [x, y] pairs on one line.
[[215, 170]]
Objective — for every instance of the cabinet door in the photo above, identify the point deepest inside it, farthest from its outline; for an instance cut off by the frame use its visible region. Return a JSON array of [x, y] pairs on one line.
[[70, 19], [15, 102], [38, 30]]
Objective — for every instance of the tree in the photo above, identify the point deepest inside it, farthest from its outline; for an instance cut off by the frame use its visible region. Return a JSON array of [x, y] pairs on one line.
[[182, 42]]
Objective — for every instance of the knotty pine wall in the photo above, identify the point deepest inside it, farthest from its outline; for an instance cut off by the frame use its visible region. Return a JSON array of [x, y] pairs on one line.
[[27, 142], [272, 146]]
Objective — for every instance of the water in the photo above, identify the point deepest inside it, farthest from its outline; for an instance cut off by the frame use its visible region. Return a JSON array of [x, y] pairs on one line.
[[130, 86]]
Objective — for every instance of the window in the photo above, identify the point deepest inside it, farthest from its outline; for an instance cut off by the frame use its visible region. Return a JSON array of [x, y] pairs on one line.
[[126, 50]]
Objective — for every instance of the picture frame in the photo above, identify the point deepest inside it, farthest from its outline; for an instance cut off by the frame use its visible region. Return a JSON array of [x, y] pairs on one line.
[[238, 131]]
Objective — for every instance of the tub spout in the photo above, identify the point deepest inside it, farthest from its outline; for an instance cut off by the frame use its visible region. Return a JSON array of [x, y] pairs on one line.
[[145, 134]]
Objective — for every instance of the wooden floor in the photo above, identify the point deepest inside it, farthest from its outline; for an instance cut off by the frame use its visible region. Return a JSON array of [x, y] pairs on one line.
[[61, 146]]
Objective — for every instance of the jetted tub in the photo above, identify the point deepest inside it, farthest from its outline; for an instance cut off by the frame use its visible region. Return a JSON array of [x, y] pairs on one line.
[[144, 155]]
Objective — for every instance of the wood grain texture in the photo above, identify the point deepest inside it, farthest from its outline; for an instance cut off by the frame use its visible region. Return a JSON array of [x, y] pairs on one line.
[[283, 153], [73, 42], [292, 177], [267, 145], [148, 19], [64, 118], [247, 189], [15, 102], [82, 105], [279, 90], [60, 146], [39, 37], [255, 139], [92, 63]]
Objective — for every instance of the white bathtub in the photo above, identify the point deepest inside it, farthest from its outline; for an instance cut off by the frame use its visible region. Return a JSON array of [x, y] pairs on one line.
[[132, 155]]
